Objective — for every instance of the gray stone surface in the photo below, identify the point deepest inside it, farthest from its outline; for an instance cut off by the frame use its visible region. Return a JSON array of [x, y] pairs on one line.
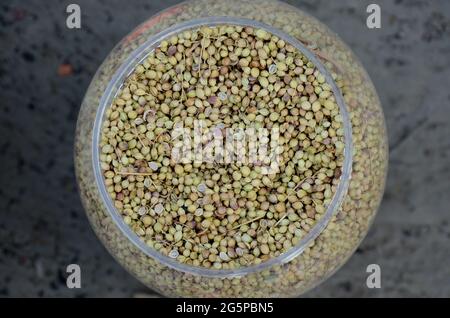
[[43, 227]]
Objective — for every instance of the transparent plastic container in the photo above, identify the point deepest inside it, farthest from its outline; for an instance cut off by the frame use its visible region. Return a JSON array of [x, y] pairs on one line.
[[331, 241]]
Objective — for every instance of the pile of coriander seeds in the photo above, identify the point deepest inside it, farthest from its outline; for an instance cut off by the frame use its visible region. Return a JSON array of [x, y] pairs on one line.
[[285, 276], [212, 215]]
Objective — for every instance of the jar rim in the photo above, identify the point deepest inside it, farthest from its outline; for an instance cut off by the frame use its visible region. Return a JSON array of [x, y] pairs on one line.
[[127, 67]]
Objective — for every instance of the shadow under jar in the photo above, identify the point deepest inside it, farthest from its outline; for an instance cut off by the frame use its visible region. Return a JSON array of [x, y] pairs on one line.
[[356, 192]]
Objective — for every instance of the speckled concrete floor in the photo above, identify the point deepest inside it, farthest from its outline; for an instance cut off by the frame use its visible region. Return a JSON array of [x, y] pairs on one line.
[[43, 227]]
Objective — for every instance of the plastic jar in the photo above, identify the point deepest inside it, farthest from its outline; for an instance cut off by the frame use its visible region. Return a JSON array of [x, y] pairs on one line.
[[331, 241]]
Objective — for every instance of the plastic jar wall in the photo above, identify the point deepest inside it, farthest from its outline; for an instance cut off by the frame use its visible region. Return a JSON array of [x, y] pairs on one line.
[[348, 217]]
